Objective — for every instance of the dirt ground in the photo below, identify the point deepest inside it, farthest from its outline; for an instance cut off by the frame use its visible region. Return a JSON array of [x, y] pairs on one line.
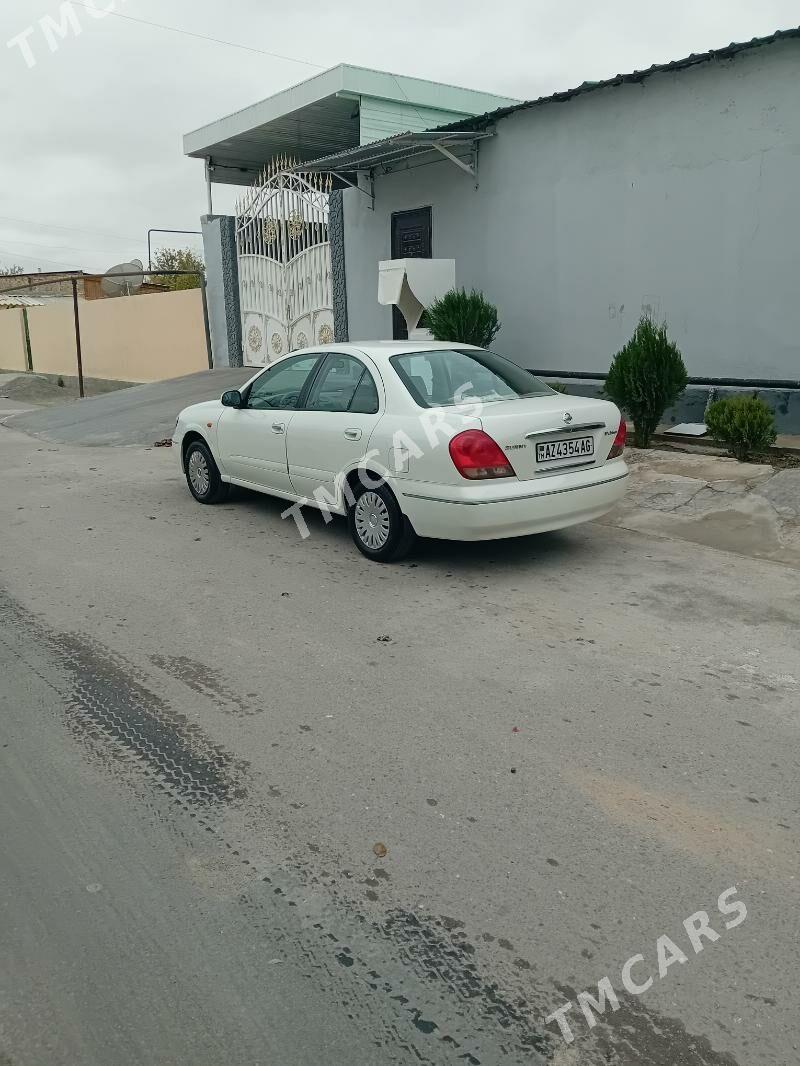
[[44, 390]]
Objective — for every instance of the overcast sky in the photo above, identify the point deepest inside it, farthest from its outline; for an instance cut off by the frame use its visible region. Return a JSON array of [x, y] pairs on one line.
[[91, 155]]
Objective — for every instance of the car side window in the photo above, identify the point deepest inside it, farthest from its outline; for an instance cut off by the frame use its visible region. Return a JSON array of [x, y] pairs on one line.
[[365, 398], [279, 388], [340, 383]]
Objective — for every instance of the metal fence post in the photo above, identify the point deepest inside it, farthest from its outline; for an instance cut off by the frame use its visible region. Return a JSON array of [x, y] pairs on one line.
[[26, 335], [206, 322], [78, 336]]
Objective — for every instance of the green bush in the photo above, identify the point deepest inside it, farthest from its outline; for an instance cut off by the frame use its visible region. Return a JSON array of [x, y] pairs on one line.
[[178, 259], [743, 423], [466, 318], [646, 378], [558, 386]]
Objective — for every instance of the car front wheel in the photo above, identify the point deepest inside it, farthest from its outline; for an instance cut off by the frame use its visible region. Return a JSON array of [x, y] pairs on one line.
[[202, 475], [378, 526]]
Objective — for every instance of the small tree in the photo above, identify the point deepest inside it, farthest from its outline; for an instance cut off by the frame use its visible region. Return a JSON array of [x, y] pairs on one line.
[[178, 259], [743, 423], [466, 318], [8, 272], [646, 378]]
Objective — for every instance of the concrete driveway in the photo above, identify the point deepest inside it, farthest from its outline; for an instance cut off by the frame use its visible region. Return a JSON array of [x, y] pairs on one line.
[[747, 508], [263, 801]]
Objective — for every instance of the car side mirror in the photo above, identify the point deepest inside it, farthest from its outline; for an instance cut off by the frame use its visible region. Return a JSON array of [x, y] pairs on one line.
[[232, 398]]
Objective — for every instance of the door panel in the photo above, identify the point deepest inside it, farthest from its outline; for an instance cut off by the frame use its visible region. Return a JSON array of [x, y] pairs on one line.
[[320, 444], [333, 431], [252, 439], [254, 448], [412, 238]]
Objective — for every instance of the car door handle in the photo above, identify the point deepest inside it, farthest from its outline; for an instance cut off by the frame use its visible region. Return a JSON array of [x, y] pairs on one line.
[[353, 434], [278, 427]]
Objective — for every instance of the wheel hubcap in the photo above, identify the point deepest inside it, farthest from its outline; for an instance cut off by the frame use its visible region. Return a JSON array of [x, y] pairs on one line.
[[372, 520], [198, 473]]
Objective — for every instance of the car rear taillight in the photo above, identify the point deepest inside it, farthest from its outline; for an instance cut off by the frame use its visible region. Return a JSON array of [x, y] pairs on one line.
[[618, 447], [477, 456]]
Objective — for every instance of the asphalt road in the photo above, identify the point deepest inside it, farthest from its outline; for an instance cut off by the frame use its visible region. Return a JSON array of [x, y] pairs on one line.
[[262, 801], [139, 415]]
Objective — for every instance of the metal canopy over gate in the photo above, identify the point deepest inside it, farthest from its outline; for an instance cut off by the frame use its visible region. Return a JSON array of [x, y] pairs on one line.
[[284, 263]]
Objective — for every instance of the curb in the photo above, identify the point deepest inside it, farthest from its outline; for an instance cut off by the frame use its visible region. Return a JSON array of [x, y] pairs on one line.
[[709, 442]]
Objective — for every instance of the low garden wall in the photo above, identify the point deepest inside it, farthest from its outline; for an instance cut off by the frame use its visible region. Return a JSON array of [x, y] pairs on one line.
[[133, 338]]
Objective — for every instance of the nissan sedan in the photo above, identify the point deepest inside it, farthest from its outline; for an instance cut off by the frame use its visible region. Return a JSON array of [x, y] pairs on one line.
[[408, 439]]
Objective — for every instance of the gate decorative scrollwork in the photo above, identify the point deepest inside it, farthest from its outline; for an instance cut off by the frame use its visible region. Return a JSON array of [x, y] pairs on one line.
[[284, 263]]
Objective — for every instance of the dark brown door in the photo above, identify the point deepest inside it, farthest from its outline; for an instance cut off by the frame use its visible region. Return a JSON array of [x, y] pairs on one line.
[[411, 239]]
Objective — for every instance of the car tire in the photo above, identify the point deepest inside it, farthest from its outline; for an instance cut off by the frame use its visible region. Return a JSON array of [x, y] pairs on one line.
[[202, 474], [378, 527]]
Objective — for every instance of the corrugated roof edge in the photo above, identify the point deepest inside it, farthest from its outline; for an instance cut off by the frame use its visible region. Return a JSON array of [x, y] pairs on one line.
[[621, 79], [352, 154]]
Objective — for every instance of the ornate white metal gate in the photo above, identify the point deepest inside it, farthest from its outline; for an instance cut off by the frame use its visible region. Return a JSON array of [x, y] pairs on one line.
[[284, 263]]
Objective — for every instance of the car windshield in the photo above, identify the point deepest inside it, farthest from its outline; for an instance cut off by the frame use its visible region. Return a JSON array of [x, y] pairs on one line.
[[450, 376]]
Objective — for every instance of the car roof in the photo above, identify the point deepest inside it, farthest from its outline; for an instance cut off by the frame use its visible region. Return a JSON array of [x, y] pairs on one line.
[[381, 351]]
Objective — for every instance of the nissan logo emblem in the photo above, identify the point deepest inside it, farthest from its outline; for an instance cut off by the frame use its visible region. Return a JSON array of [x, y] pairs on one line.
[[567, 417]]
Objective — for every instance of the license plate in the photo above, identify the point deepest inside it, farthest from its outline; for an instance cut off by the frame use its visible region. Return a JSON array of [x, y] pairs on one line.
[[574, 448]]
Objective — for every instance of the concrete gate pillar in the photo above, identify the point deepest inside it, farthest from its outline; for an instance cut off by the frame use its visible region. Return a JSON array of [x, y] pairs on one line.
[[222, 275]]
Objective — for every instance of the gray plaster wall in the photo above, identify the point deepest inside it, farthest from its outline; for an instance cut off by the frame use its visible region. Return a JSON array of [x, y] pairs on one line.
[[222, 274], [677, 195]]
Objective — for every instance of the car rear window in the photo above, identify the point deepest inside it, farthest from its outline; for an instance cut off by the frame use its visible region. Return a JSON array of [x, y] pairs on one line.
[[450, 376]]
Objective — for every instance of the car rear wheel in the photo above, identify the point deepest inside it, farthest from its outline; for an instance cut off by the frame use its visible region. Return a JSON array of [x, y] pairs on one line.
[[378, 526], [202, 475]]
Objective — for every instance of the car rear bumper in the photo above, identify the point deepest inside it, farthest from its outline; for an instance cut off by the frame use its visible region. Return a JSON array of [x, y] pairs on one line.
[[491, 511]]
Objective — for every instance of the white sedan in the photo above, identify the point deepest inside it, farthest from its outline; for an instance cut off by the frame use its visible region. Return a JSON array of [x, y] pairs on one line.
[[409, 439]]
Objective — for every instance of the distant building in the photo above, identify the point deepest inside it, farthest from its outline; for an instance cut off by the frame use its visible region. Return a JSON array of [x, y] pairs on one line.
[[59, 283], [56, 283]]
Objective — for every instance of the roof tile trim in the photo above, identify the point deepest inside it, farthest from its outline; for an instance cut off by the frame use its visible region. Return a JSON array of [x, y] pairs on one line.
[[620, 79]]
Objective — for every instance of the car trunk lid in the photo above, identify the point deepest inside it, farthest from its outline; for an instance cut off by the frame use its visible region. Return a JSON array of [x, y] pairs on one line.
[[551, 434]]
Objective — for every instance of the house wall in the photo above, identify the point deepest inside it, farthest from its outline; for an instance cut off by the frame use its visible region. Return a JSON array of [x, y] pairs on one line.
[[133, 338], [676, 195], [383, 118]]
